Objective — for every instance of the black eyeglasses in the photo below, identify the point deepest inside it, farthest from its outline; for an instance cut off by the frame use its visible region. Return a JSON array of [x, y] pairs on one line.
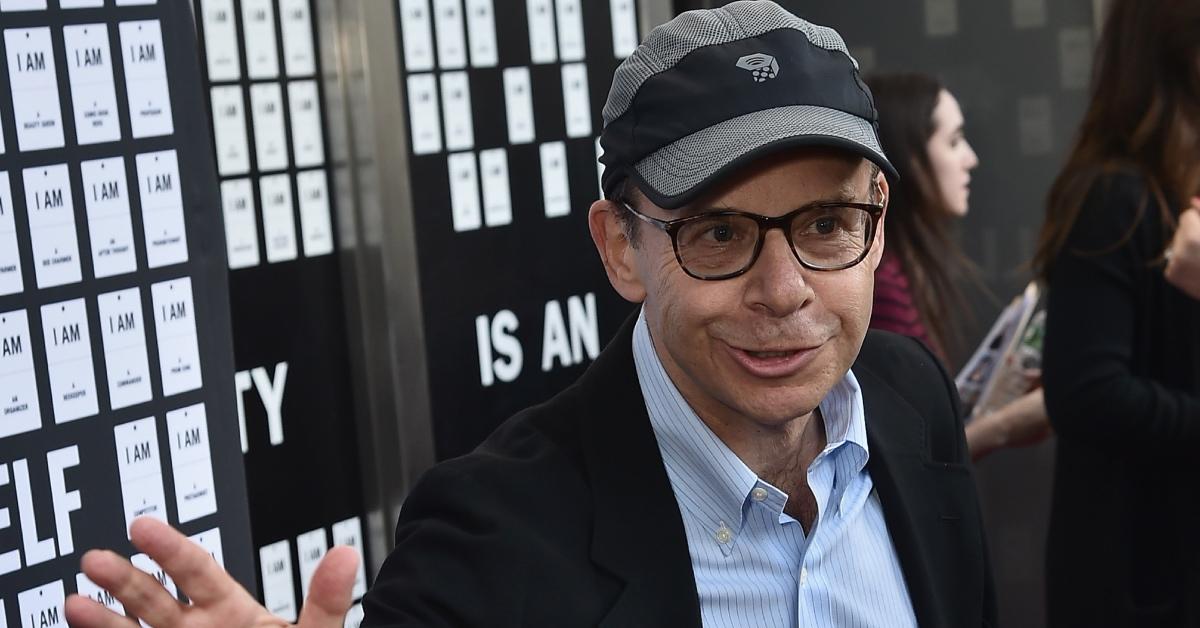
[[824, 236]]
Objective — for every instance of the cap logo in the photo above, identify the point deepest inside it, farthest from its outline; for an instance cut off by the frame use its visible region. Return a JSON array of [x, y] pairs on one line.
[[761, 66]]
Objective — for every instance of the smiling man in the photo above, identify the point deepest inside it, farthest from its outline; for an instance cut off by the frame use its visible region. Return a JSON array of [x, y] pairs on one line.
[[743, 453]]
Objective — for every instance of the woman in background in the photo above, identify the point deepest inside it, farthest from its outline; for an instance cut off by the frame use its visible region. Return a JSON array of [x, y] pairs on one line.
[[1122, 345], [918, 283]]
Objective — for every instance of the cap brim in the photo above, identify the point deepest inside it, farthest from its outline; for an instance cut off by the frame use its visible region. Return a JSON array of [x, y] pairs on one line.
[[678, 173]]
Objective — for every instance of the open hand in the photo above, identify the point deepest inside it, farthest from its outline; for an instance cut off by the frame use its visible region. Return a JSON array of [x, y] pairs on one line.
[[1183, 256], [218, 601]]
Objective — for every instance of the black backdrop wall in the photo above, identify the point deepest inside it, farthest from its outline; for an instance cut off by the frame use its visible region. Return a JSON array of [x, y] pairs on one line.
[[114, 321]]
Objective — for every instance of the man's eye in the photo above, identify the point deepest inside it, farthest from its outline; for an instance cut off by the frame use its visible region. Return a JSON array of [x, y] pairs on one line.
[[721, 233], [825, 226]]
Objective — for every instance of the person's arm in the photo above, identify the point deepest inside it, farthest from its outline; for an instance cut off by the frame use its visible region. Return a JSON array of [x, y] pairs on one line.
[[1183, 260], [1092, 393], [1019, 423]]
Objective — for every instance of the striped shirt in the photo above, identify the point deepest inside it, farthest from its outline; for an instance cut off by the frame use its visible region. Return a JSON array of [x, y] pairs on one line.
[[753, 564], [894, 309]]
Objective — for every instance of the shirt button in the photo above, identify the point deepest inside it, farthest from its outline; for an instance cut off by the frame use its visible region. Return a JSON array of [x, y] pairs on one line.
[[803, 576], [724, 534], [759, 494]]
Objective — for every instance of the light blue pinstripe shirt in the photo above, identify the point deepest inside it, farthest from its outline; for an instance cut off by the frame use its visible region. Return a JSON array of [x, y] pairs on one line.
[[753, 564]]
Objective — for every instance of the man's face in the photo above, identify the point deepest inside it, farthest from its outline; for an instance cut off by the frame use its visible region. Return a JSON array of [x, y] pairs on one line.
[[766, 346]]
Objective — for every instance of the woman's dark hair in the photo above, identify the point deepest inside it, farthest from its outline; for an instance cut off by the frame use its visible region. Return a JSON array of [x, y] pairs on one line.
[[1144, 117], [918, 225]]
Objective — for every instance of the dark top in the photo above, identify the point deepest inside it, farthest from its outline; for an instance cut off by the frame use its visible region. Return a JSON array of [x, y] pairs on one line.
[[565, 517], [1122, 380]]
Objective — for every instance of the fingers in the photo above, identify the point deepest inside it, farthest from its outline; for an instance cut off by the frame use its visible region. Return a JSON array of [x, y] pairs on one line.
[[138, 591], [330, 592], [83, 612], [189, 565]]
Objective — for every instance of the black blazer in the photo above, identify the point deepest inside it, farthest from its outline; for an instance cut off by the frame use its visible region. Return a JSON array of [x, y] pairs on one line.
[[565, 516]]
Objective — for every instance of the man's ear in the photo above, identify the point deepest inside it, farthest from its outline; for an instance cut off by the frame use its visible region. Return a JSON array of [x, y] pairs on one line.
[[877, 247], [615, 249]]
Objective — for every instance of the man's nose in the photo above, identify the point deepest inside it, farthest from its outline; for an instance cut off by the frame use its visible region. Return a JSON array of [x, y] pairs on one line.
[[777, 283]]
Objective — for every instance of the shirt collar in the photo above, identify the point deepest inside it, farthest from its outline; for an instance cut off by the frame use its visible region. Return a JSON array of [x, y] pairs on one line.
[[698, 463]]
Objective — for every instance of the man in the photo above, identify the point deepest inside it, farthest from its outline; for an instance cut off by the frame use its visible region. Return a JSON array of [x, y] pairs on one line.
[[720, 464]]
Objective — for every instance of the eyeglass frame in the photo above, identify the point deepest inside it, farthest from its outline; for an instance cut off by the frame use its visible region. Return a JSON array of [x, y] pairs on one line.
[[765, 224]]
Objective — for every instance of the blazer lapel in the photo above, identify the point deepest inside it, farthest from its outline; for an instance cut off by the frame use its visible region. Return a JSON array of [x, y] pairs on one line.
[[905, 481], [638, 536]]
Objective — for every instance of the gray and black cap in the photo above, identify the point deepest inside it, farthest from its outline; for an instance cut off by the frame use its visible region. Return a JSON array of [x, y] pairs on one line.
[[713, 90]]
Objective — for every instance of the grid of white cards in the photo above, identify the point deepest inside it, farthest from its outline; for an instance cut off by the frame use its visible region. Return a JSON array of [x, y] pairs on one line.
[[268, 129], [442, 39], [80, 82]]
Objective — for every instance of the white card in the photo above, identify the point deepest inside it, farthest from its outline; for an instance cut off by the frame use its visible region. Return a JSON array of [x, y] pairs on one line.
[[241, 228], [191, 463], [542, 45], [1034, 127], [22, 5], [210, 540], [80, 4], [456, 102], [464, 192], [423, 114], [124, 332], [349, 533], [570, 30], [299, 56], [34, 88], [147, 564], [85, 587], [481, 33], [497, 200], [310, 549], [276, 565], [162, 208], [416, 28], [175, 330], [576, 102], [279, 225], [229, 131], [555, 191], [316, 225], [89, 66], [941, 17], [518, 105], [451, 44], [270, 135], [1075, 56], [51, 210], [19, 410], [307, 143], [221, 48], [69, 360], [10, 258], [1029, 13], [146, 78], [42, 607], [106, 197], [624, 27], [140, 468], [258, 31]]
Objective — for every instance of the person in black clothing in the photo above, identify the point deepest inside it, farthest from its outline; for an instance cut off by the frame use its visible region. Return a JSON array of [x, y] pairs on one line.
[[1122, 348]]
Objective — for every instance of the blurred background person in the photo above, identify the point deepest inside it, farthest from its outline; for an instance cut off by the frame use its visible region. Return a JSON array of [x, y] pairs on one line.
[[1183, 256], [919, 284], [1122, 347]]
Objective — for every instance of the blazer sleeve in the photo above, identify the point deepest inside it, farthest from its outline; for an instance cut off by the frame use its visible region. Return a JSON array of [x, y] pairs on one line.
[[455, 563], [1092, 392], [990, 611]]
